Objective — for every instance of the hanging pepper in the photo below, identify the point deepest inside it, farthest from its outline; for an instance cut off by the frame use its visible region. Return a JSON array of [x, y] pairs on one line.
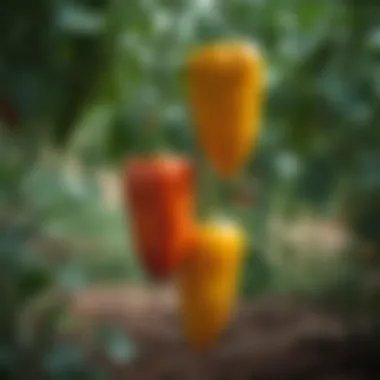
[[160, 196], [226, 82], [208, 282]]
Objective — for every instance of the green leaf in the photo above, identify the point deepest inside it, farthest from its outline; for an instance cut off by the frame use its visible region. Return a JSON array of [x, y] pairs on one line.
[[257, 274], [72, 276], [33, 281], [63, 358], [118, 345]]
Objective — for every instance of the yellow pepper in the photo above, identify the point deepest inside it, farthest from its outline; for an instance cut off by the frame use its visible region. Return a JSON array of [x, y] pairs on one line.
[[209, 282], [226, 83]]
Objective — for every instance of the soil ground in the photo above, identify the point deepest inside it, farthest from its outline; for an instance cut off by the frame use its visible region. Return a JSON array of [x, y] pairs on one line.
[[275, 338]]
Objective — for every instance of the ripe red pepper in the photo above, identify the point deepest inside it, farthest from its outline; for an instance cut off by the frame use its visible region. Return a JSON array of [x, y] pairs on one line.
[[160, 196]]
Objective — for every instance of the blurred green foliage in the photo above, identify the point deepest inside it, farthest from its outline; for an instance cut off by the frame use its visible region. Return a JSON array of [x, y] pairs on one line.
[[92, 79]]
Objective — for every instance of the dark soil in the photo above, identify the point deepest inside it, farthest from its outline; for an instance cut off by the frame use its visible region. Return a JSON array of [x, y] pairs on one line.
[[270, 339]]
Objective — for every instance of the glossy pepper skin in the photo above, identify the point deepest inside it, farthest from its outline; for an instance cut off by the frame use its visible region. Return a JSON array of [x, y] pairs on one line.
[[208, 282], [159, 193], [226, 90]]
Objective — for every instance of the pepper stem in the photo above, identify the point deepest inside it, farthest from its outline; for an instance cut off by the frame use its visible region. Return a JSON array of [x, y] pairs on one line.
[[207, 188], [154, 131]]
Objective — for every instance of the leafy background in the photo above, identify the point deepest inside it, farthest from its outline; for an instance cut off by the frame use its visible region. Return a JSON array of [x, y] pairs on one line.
[[83, 83]]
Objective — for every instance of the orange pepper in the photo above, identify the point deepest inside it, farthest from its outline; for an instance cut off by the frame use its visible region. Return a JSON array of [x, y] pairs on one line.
[[208, 282], [226, 82]]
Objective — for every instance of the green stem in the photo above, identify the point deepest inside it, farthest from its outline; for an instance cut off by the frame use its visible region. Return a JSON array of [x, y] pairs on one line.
[[208, 192], [228, 192]]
